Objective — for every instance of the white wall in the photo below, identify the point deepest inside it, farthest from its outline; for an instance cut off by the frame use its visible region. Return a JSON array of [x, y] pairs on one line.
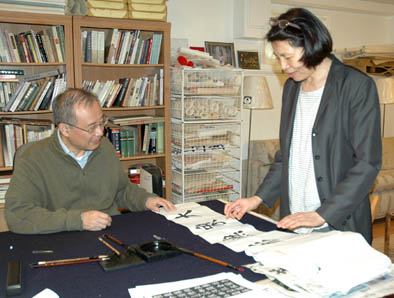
[[212, 20]]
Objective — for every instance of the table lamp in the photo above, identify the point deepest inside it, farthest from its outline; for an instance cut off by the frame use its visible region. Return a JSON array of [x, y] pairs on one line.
[[257, 96], [385, 86]]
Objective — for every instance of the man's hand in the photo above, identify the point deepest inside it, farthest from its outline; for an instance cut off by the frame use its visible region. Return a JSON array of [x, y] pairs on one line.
[[155, 203], [301, 219], [239, 207], [95, 220]]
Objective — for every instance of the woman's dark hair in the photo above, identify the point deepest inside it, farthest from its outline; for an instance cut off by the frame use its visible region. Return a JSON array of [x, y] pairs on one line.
[[312, 36]]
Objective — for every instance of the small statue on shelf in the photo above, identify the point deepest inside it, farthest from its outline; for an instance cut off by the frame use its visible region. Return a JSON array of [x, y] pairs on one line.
[[76, 7]]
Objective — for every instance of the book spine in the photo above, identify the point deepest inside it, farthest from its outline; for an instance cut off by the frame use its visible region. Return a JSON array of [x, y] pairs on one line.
[[60, 34], [42, 96], [115, 95], [30, 44], [25, 97], [88, 52], [122, 53], [131, 150], [49, 33], [115, 139], [48, 47], [36, 46], [42, 52], [94, 46], [30, 99], [116, 46], [161, 86], [149, 53], [26, 48], [12, 71], [57, 44], [123, 143], [14, 47], [160, 138], [47, 98], [100, 47], [122, 92], [153, 138], [119, 46], [19, 97]]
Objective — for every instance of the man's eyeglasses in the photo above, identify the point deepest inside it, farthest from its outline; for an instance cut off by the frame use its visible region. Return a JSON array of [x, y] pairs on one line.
[[283, 23], [92, 128]]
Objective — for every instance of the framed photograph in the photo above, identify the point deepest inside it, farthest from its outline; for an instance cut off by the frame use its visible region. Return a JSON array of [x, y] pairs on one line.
[[248, 60], [222, 51]]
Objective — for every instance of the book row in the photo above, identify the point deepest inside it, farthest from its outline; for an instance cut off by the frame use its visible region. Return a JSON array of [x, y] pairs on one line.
[[121, 47], [128, 92], [126, 139], [4, 184], [14, 135], [44, 46], [35, 95]]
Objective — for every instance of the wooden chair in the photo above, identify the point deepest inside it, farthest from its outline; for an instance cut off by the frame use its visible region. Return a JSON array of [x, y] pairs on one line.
[[389, 217], [374, 205]]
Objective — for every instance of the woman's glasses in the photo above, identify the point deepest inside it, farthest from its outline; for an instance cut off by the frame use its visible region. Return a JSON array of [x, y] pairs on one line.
[[283, 23]]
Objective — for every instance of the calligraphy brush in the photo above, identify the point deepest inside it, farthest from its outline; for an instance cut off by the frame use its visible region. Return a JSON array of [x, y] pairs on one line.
[[64, 262], [190, 252], [109, 246], [117, 241]]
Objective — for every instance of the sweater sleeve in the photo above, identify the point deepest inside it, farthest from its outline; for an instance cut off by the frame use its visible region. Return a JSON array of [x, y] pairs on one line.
[[25, 207]]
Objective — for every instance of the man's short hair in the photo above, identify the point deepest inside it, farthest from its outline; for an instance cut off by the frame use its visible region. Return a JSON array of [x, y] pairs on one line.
[[312, 35], [63, 105]]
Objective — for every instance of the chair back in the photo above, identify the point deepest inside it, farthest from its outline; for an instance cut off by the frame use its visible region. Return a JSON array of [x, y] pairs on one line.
[[374, 205]]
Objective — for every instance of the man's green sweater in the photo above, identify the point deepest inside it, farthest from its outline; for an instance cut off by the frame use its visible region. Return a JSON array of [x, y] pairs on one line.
[[49, 190]]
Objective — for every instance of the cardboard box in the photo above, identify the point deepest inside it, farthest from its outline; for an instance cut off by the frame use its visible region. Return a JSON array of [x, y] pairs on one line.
[[107, 13]]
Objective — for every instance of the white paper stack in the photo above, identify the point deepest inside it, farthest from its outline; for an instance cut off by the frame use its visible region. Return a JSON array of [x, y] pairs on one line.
[[323, 263]]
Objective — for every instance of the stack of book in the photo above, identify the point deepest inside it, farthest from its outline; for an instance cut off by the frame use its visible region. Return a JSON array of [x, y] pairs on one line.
[[152, 133], [36, 92], [127, 92], [107, 8], [121, 47], [4, 184], [124, 139], [16, 132], [155, 10], [35, 6], [46, 45], [9, 79]]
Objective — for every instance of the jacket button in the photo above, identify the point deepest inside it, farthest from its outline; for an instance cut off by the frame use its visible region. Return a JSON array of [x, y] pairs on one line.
[[314, 134], [320, 179], [317, 157], [344, 223], [323, 200]]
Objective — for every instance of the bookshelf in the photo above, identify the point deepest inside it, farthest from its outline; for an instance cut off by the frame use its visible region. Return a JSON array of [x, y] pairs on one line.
[[30, 64], [107, 71], [77, 70]]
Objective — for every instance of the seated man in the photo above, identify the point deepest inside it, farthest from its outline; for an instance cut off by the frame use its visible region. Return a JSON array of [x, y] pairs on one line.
[[72, 180]]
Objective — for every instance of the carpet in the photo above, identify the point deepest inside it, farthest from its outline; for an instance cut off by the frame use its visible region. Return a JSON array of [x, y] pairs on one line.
[[378, 244]]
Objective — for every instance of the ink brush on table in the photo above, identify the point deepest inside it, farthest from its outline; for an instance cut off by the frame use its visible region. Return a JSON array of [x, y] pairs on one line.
[[198, 255], [62, 262]]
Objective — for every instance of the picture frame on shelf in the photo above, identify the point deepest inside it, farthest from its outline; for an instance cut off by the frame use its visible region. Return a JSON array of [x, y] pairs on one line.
[[248, 59], [222, 51]]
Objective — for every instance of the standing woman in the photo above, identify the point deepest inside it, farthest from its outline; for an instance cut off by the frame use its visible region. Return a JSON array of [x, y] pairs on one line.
[[330, 143]]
